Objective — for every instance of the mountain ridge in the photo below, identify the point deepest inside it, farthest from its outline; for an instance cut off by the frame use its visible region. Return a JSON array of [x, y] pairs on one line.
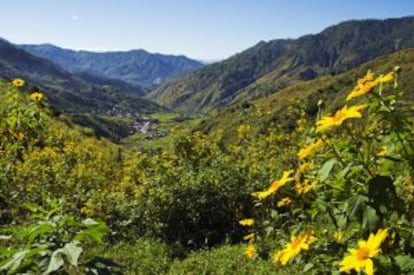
[[136, 67], [269, 66], [58, 84], [86, 102]]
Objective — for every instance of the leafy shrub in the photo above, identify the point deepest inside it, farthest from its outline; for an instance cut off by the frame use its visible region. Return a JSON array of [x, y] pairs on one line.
[[223, 260], [145, 256], [51, 243]]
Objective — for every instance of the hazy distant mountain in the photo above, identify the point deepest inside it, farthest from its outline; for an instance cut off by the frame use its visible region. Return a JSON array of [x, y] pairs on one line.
[[64, 89], [135, 67], [270, 66]]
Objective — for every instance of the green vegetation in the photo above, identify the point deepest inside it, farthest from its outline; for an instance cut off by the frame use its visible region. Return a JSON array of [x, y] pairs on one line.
[[108, 106], [283, 184]]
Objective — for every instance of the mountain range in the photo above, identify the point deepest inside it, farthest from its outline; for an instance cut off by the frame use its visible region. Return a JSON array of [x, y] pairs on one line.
[[136, 67], [270, 66], [109, 91], [66, 91]]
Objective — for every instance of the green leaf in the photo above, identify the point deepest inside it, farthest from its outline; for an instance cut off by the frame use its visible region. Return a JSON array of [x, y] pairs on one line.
[[14, 263], [89, 222], [355, 206], [370, 220], [326, 169], [39, 230], [34, 207], [308, 267], [72, 250], [345, 171], [406, 263], [56, 261], [95, 231]]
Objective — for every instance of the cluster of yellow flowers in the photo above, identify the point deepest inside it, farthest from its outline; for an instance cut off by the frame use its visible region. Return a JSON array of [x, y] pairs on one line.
[[36, 96], [251, 248], [359, 259]]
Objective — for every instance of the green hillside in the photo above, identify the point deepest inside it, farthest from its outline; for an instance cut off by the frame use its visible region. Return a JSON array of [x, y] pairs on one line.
[[87, 100], [280, 185], [331, 89], [270, 66]]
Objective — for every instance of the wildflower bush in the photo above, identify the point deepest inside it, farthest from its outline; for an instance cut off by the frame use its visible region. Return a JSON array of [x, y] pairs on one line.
[[43, 157], [340, 199], [346, 204]]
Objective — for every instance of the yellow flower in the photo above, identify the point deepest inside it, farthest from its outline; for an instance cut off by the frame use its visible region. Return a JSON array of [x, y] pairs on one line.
[[284, 202], [36, 96], [276, 258], [364, 86], [292, 249], [249, 237], [338, 236], [306, 166], [340, 116], [251, 251], [274, 186], [246, 222], [303, 153], [386, 78], [243, 130], [360, 258], [383, 151], [17, 82], [303, 188], [367, 83]]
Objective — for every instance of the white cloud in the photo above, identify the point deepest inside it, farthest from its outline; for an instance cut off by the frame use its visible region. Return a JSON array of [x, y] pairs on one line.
[[75, 17]]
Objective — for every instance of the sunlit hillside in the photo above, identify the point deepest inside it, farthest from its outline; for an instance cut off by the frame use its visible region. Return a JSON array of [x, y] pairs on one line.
[[315, 178]]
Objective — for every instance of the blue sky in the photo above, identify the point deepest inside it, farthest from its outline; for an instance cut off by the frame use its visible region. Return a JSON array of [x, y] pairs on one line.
[[202, 29]]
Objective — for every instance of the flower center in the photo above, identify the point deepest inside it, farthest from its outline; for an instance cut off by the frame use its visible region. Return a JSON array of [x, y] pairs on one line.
[[362, 253]]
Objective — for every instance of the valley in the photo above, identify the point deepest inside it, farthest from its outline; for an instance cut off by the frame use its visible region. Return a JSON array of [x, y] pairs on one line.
[[294, 156]]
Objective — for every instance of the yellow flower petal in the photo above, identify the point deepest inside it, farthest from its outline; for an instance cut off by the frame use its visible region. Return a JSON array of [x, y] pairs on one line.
[[340, 116], [294, 247], [246, 222], [284, 202], [338, 236], [386, 78], [303, 153], [276, 185], [249, 237], [364, 86], [251, 251]]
